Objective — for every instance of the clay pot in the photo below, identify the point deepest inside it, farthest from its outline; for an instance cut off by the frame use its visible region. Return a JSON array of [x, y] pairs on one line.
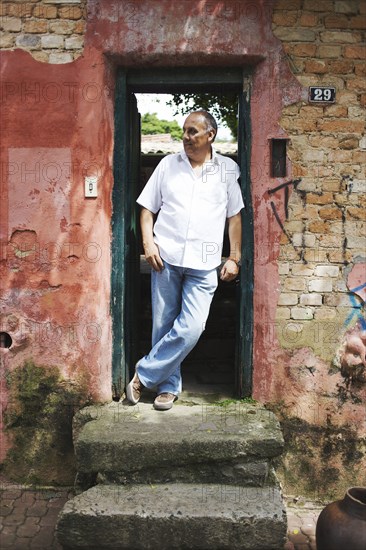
[[342, 524]]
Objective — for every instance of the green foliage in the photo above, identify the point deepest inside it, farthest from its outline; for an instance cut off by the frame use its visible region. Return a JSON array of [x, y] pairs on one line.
[[223, 107], [151, 124]]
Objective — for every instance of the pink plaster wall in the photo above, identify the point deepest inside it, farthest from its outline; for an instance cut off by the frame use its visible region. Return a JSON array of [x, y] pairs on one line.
[[57, 123]]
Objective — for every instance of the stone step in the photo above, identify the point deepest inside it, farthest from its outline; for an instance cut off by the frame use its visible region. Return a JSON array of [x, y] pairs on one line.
[[168, 516], [201, 443]]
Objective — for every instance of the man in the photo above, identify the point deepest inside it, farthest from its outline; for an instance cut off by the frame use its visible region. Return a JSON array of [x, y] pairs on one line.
[[194, 192]]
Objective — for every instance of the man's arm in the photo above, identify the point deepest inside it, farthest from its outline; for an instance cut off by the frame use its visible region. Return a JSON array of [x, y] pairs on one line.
[[230, 268], [151, 250]]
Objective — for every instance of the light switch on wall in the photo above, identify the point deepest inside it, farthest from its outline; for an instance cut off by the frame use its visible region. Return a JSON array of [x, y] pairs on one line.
[[91, 186]]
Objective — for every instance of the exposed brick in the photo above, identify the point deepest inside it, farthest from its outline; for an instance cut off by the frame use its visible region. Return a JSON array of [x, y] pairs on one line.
[[329, 241], [324, 198], [336, 110], [304, 50], [355, 52], [363, 99], [301, 239], [313, 155], [40, 56], [330, 213], [340, 156], [358, 22], [360, 69], [295, 34], [294, 283], [62, 27], [7, 40], [59, 58], [45, 12], [315, 255], [324, 50], [309, 19], [283, 268], [342, 37], [294, 226], [348, 142], [336, 21], [315, 5], [79, 27], [31, 41], [357, 84], [52, 41], [318, 227], [355, 126], [327, 142], [301, 313], [311, 299], [356, 213], [337, 227], [70, 12], [288, 299], [345, 97], [11, 24], [348, 6], [283, 313], [35, 26], [324, 313], [285, 18], [292, 110], [308, 79], [341, 66], [288, 4], [74, 42], [356, 112], [302, 124], [62, 1], [23, 9], [359, 156], [357, 242], [336, 300], [320, 285], [331, 185], [316, 66], [327, 271], [302, 269]]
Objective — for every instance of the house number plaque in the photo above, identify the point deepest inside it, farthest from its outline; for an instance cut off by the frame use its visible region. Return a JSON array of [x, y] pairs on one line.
[[322, 94]]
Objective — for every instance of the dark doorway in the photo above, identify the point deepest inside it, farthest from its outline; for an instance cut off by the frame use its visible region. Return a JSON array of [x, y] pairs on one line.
[[221, 363]]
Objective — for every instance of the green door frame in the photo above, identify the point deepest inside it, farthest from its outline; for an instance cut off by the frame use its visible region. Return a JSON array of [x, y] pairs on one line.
[[181, 80]]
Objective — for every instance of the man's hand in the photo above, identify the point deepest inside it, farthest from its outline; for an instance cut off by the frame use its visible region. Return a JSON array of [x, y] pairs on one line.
[[229, 271], [151, 250], [153, 258]]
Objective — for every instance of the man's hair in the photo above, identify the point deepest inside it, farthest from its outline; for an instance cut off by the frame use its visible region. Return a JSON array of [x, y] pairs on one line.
[[211, 123]]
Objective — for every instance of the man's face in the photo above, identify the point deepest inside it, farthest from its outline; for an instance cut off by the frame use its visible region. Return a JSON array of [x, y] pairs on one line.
[[196, 139]]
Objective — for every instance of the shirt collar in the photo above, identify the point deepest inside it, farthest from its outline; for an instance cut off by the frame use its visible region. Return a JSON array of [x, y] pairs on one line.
[[214, 158]]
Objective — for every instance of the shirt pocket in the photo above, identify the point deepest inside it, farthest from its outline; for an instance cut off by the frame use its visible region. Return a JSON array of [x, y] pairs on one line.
[[213, 193]]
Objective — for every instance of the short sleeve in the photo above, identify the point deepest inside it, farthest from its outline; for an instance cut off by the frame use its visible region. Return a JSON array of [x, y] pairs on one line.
[[150, 197], [235, 199]]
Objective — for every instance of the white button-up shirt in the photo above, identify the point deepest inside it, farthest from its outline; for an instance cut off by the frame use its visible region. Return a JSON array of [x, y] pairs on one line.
[[193, 207]]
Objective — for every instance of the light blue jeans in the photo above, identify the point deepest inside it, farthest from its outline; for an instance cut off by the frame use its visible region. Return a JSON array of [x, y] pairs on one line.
[[181, 299]]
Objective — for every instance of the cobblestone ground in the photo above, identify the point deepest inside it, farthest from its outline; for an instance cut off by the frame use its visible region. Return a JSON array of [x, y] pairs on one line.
[[28, 518]]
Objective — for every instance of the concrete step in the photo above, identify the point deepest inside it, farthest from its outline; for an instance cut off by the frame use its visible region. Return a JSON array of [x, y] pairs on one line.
[[201, 443], [169, 516]]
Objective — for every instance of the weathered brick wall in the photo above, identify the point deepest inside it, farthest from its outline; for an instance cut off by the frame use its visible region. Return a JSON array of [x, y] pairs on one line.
[[52, 30], [325, 227], [321, 379]]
